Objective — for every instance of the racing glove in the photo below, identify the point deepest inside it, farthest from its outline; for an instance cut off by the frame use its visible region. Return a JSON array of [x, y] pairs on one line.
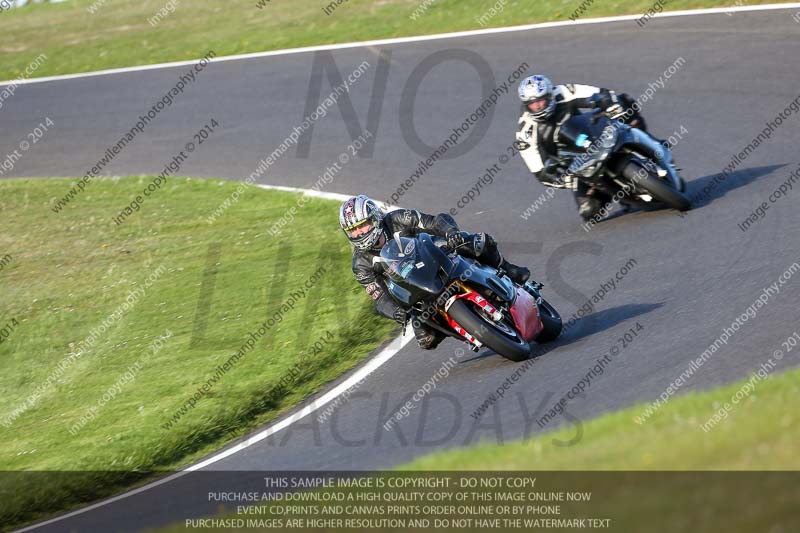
[[554, 175], [609, 102], [400, 316], [455, 239]]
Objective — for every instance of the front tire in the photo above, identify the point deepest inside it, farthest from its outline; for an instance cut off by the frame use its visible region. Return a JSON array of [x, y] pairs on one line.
[[551, 321], [515, 349], [662, 192]]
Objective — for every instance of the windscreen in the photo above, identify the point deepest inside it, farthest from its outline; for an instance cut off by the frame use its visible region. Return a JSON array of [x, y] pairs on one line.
[[399, 257]]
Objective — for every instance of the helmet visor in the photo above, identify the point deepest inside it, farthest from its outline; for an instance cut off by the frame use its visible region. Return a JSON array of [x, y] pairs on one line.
[[358, 231], [539, 104]]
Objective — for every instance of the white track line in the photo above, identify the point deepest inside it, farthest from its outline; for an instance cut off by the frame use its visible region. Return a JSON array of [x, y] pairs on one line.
[[402, 40], [395, 346], [310, 192], [373, 364]]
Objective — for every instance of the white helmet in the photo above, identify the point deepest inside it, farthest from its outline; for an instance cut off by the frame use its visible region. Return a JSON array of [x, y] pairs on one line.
[[362, 221], [536, 93]]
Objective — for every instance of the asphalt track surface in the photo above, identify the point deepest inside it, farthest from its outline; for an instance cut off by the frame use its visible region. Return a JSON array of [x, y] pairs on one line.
[[693, 276]]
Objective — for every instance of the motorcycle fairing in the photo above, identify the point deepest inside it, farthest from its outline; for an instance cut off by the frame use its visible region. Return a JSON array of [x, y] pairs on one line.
[[526, 315], [414, 270], [482, 276], [596, 136]]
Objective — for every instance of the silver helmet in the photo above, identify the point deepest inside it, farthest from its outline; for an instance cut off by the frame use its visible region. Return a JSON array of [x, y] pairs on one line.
[[536, 93], [362, 221]]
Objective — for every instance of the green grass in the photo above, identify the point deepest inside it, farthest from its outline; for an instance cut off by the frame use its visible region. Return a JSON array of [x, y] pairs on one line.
[[760, 433], [118, 34], [70, 270], [666, 475]]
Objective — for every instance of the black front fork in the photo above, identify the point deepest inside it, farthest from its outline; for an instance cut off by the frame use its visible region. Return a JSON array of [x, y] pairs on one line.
[[648, 146], [534, 289]]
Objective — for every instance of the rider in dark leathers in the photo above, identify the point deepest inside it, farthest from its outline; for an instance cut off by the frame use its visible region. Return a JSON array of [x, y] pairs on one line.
[[368, 230]]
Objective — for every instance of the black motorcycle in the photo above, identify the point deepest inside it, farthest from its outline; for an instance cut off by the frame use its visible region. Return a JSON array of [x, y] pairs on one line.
[[463, 299], [604, 153]]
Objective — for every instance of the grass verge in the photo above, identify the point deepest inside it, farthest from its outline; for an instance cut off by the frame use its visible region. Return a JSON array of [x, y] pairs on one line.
[[667, 475], [759, 433], [87, 35], [85, 389]]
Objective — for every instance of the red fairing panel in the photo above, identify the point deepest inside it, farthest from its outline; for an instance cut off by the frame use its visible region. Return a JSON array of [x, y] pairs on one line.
[[461, 331], [477, 299], [526, 315]]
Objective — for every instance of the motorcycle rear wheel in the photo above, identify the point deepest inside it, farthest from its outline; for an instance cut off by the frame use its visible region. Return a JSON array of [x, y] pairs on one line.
[[516, 349]]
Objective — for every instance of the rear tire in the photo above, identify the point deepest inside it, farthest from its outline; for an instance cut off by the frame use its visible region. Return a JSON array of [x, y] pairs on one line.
[[551, 321], [662, 192], [514, 349]]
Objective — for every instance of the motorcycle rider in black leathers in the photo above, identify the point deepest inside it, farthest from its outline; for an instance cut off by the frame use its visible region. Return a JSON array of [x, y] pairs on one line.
[[368, 229], [545, 107]]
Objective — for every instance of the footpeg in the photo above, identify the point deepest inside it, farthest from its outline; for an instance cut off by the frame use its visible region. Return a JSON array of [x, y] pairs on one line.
[[534, 285]]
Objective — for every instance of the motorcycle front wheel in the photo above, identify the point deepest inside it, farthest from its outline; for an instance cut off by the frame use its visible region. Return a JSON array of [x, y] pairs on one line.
[[503, 339], [551, 321], [661, 191]]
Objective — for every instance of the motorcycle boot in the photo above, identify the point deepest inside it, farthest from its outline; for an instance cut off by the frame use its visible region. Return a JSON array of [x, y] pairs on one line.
[[518, 274], [590, 201], [427, 338]]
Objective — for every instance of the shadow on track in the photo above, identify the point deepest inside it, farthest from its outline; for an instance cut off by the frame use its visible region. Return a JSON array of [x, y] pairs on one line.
[[585, 327], [696, 189]]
